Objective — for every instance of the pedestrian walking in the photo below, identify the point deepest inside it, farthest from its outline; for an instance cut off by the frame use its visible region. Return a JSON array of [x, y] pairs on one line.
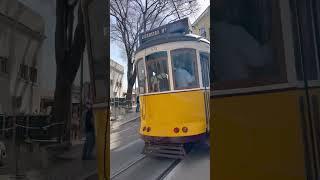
[[90, 134], [138, 104], [75, 126]]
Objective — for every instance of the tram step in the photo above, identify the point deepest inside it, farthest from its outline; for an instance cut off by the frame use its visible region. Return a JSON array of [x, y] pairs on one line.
[[176, 151]]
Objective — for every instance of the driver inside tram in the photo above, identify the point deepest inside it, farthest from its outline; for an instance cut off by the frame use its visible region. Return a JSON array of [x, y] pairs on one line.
[[183, 77]]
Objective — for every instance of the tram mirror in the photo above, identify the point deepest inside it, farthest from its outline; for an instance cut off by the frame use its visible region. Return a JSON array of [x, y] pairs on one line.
[[95, 25]]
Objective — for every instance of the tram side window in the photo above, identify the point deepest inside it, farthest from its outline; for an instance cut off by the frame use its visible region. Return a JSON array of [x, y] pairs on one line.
[[141, 76], [304, 45], [204, 60], [249, 49], [184, 68], [157, 68]]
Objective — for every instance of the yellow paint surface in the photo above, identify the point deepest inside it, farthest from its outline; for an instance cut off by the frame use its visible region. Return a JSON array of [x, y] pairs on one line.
[[257, 137], [163, 112], [102, 142]]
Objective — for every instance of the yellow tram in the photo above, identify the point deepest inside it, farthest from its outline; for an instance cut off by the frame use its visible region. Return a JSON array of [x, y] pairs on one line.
[[266, 90], [173, 79]]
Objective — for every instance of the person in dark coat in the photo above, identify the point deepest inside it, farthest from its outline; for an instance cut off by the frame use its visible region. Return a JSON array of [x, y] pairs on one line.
[[138, 104], [90, 134]]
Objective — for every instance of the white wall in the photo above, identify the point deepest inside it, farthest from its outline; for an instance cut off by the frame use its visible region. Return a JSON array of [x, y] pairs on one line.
[[20, 48], [47, 70]]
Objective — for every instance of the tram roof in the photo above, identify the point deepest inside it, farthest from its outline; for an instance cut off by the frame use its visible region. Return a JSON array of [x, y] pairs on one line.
[[173, 32]]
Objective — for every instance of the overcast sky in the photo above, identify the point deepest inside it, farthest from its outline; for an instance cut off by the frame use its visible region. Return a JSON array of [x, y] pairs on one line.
[[115, 52]]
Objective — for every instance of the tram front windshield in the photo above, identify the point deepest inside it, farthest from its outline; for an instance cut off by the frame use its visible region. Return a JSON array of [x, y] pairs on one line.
[[184, 71]]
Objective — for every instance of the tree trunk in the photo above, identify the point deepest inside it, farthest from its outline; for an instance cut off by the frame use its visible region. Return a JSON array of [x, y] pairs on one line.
[[129, 95], [131, 77], [69, 50], [62, 104]]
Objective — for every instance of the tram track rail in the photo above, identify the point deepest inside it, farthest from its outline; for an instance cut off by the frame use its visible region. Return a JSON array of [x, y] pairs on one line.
[[164, 174], [127, 166]]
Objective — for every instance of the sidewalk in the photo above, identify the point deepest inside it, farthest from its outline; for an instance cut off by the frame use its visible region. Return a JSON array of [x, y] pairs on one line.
[[124, 118], [65, 166], [69, 164]]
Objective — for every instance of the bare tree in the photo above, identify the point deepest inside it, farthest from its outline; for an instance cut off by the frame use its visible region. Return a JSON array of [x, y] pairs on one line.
[[69, 47], [131, 17]]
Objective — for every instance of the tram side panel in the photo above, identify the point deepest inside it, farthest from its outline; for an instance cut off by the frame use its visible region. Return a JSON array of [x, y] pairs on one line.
[[257, 137]]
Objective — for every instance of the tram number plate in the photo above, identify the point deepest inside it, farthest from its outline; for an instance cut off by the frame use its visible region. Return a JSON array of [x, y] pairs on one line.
[[154, 48]]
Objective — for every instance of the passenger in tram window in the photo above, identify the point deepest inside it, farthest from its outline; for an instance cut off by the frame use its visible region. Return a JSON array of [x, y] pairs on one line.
[[183, 77], [155, 83], [157, 69], [184, 67], [159, 77]]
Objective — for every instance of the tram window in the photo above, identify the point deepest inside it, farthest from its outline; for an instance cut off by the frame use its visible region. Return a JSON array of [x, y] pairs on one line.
[[249, 50], [204, 60], [304, 45], [184, 68], [141, 76], [157, 68]]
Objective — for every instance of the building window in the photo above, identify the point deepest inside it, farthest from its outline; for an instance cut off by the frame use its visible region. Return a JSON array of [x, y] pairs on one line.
[[157, 72], [184, 67], [202, 31], [23, 71], [4, 64], [33, 74]]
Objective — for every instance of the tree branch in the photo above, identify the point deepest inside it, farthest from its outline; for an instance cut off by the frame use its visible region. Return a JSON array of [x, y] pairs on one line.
[[78, 46]]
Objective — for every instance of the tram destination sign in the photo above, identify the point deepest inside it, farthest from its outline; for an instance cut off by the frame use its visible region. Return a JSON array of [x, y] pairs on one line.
[[179, 27]]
